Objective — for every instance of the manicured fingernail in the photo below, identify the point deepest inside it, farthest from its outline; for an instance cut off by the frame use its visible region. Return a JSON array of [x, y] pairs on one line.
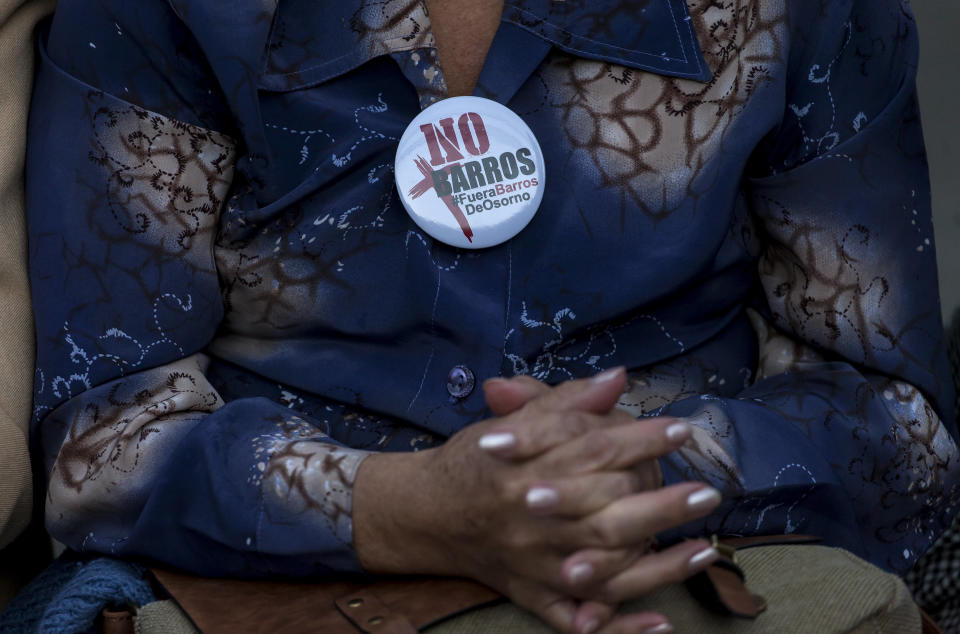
[[703, 559], [703, 500], [496, 442], [541, 498], [607, 375], [663, 628], [580, 573], [590, 626], [679, 432]]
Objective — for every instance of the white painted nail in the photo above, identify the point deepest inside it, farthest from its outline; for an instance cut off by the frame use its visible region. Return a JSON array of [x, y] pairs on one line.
[[496, 442], [541, 497], [663, 628], [703, 559], [703, 499], [581, 573], [679, 432], [591, 626], [607, 375]]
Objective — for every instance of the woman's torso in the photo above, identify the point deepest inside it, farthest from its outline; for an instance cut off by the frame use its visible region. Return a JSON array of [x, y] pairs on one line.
[[641, 254]]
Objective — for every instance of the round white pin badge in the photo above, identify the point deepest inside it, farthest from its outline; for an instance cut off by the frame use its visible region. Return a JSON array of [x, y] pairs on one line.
[[470, 172]]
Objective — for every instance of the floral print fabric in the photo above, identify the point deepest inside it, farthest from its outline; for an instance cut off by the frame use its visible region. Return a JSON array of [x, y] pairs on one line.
[[233, 309]]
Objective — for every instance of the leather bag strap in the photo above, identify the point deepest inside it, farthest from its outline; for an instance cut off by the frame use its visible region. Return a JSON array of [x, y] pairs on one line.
[[385, 606], [116, 621], [740, 543], [722, 587], [370, 615], [929, 626]]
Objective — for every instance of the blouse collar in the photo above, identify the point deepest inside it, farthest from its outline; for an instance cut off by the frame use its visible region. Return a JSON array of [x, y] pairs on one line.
[[651, 35]]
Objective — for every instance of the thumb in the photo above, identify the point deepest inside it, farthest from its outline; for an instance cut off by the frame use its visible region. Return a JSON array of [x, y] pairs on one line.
[[508, 395], [597, 395], [521, 436]]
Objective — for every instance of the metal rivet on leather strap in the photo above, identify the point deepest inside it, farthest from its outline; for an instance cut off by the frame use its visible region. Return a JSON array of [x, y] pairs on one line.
[[760, 601], [355, 603], [725, 550]]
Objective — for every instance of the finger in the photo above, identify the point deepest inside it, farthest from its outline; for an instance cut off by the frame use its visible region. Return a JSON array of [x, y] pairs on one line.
[[582, 495], [621, 446], [583, 571], [505, 396], [556, 610], [598, 394], [638, 623], [525, 435], [632, 520], [650, 474], [559, 614], [555, 417], [656, 570], [591, 616]]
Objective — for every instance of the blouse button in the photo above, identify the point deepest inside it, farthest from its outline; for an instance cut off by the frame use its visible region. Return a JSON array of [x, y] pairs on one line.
[[460, 381]]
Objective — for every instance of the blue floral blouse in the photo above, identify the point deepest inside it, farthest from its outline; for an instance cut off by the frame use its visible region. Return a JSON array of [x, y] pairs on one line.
[[233, 308]]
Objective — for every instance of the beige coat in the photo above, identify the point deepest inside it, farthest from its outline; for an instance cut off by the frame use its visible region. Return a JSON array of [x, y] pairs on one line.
[[17, 21]]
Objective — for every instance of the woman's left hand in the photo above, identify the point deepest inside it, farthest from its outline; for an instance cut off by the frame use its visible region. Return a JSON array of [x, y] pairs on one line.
[[504, 396]]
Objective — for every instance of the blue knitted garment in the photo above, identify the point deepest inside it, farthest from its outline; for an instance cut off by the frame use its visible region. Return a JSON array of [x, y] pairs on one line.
[[71, 592]]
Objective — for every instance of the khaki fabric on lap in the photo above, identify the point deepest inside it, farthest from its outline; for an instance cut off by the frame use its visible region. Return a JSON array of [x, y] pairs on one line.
[[162, 616], [807, 588], [17, 21]]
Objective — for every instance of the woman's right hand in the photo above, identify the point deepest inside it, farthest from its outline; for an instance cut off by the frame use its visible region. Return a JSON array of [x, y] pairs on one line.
[[543, 504]]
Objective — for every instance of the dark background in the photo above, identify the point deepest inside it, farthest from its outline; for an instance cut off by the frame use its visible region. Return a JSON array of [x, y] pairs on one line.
[[939, 24]]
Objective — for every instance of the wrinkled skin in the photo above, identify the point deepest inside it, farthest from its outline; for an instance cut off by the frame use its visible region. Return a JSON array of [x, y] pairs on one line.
[[466, 508]]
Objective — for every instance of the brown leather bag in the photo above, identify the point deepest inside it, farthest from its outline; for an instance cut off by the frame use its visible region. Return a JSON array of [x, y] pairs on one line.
[[401, 605], [391, 606], [394, 606]]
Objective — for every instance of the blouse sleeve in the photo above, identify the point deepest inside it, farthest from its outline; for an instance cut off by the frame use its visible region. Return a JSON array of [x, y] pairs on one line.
[[846, 433], [143, 456]]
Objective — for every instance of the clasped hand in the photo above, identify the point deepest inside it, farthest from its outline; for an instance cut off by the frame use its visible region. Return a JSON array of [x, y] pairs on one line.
[[554, 503]]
